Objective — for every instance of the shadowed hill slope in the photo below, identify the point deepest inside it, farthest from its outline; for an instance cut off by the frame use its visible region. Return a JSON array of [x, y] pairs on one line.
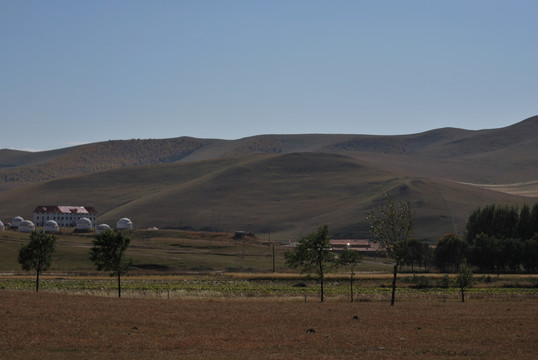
[[34, 167]]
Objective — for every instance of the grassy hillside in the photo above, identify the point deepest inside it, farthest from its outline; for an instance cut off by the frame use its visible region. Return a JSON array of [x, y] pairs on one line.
[[287, 195], [283, 184], [34, 167]]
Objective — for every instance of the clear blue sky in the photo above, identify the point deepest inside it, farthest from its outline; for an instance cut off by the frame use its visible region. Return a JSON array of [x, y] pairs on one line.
[[74, 72]]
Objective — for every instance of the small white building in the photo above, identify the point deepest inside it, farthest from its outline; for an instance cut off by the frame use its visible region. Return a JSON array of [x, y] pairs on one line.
[[84, 224], [26, 226], [65, 216], [101, 228], [17, 220], [51, 226], [124, 224]]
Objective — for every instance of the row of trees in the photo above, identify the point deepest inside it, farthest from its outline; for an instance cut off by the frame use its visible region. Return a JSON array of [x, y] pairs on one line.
[[503, 222], [488, 253], [392, 227], [497, 239], [107, 253]]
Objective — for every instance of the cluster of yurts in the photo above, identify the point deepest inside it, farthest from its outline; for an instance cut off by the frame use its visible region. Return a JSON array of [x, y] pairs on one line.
[[83, 224]]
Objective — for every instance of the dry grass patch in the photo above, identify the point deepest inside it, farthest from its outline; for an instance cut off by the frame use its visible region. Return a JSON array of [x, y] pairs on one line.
[[53, 326]]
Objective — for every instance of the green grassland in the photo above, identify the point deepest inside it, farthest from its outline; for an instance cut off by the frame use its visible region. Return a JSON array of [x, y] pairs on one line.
[[167, 251], [200, 264]]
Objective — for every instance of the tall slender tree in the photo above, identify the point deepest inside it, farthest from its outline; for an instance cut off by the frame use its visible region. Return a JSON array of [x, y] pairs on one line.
[[108, 253], [350, 258], [313, 254], [37, 254], [392, 226], [464, 279]]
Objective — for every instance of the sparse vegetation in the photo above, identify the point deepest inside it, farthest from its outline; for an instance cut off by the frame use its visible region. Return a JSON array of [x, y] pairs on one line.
[[350, 258], [392, 228]]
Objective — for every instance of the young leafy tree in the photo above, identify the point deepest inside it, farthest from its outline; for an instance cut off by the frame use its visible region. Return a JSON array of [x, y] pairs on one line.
[[392, 227], [351, 258], [312, 255], [108, 253], [464, 279], [37, 254]]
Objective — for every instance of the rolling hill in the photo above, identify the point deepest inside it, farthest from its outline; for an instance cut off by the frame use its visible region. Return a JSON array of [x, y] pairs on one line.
[[283, 184]]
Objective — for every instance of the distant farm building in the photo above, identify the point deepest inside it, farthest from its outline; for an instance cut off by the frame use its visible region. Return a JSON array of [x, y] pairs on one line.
[[124, 224], [26, 226], [17, 220], [365, 246], [51, 226], [84, 224], [64, 216], [101, 228]]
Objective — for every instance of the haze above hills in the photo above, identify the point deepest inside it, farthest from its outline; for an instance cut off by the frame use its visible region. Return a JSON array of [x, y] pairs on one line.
[[283, 184]]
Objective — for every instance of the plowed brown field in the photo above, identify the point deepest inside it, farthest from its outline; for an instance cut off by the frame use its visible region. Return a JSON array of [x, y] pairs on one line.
[[59, 326]]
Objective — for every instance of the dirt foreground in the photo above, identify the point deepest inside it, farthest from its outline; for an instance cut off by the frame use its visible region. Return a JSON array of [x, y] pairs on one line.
[[59, 326]]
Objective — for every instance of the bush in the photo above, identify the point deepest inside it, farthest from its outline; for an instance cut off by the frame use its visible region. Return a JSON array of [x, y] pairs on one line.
[[420, 282], [444, 282]]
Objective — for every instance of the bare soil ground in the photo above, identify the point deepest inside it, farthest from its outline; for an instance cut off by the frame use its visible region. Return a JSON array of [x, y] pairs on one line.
[[60, 326]]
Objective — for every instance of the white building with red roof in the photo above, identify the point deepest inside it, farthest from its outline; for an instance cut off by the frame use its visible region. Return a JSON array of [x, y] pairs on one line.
[[65, 216]]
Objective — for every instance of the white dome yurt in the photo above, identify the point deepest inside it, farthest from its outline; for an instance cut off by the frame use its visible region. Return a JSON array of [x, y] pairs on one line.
[[26, 226], [84, 224], [51, 226], [17, 220], [101, 228], [2, 227], [124, 224]]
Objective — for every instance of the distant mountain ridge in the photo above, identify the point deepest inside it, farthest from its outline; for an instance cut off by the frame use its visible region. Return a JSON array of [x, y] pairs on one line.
[[285, 184]]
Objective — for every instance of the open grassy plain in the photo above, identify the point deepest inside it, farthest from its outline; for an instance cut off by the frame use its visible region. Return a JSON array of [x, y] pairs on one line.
[[58, 326], [155, 252]]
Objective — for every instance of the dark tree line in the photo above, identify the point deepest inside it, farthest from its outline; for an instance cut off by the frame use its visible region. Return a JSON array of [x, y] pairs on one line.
[[498, 239], [417, 253]]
